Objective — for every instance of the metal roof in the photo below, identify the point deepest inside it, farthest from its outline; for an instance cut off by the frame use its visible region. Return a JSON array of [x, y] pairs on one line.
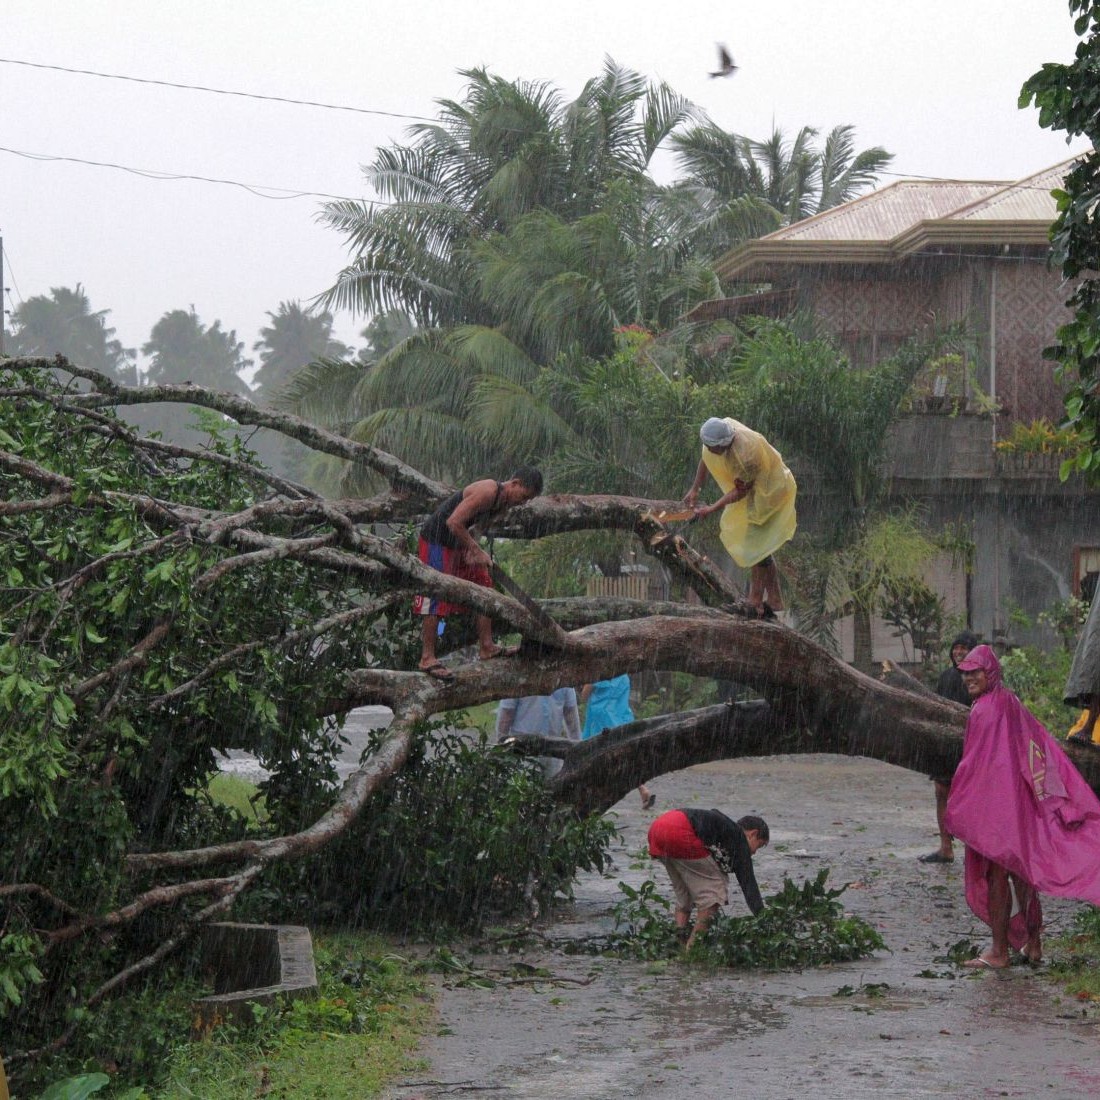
[[906, 217], [1028, 199], [882, 215]]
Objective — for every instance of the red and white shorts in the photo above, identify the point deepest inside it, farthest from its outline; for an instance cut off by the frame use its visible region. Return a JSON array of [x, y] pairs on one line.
[[454, 564]]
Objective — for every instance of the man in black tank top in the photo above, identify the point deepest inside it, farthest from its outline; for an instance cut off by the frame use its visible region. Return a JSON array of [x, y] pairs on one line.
[[447, 544]]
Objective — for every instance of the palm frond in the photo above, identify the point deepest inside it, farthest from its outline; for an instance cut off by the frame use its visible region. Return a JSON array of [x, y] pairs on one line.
[[323, 392], [440, 444], [483, 351], [515, 422]]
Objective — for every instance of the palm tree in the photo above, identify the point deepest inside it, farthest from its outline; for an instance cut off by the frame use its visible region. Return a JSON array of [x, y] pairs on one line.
[[842, 173], [506, 150], [295, 338], [745, 188], [64, 324], [383, 333], [182, 349], [521, 229]]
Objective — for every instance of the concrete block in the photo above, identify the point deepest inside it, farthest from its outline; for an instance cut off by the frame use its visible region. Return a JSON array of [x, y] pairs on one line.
[[252, 964]]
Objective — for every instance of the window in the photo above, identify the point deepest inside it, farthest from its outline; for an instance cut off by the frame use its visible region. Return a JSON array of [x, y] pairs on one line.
[[1086, 571]]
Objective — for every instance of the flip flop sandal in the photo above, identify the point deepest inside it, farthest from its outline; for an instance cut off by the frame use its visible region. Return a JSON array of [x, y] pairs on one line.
[[502, 651], [979, 962], [935, 857], [439, 671]]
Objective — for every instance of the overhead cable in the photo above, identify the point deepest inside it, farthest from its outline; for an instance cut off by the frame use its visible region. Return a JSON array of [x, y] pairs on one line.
[[214, 91], [257, 189]]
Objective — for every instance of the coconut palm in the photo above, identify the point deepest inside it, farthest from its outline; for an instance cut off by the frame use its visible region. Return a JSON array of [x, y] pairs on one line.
[[383, 333], [63, 323], [745, 188], [507, 149], [182, 349], [295, 338], [521, 228]]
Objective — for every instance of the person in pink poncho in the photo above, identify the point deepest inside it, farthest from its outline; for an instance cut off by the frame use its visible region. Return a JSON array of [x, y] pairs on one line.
[[1030, 823]]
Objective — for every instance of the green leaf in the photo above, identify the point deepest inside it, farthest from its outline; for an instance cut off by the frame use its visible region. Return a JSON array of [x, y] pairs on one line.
[[76, 1088]]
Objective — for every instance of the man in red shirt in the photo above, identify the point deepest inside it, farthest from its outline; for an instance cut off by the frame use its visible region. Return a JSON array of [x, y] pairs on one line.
[[699, 849]]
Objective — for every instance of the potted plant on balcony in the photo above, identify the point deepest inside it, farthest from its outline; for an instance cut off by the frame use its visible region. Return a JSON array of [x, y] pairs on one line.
[[947, 386]]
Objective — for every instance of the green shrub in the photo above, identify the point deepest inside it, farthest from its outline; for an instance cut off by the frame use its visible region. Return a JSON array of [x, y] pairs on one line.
[[97, 758], [1039, 679], [464, 830], [799, 926]]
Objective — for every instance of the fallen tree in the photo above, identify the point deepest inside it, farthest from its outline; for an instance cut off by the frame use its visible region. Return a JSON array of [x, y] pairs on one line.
[[162, 605]]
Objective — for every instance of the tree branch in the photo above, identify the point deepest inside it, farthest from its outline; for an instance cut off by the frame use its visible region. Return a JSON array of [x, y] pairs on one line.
[[110, 393]]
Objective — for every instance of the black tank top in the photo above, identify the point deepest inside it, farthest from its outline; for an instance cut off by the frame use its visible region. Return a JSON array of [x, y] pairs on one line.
[[435, 528]]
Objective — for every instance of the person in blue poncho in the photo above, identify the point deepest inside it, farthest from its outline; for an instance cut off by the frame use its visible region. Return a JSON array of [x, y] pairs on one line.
[[607, 704]]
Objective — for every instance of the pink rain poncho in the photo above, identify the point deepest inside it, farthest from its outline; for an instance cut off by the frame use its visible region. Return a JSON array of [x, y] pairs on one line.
[[1017, 800]]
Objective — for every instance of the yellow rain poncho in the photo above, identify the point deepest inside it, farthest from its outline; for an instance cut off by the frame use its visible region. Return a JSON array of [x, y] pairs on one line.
[[760, 523]]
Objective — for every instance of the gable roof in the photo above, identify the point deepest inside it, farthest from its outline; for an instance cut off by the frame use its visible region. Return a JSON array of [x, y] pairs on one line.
[[906, 217], [882, 215]]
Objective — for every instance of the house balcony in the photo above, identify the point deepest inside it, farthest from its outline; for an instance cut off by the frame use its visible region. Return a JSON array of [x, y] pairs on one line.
[[935, 447]]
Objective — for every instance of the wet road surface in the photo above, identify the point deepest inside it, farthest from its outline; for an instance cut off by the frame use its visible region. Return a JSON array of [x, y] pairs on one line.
[[667, 1032]]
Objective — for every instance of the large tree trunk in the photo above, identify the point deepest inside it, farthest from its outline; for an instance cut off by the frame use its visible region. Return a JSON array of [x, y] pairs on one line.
[[810, 701]]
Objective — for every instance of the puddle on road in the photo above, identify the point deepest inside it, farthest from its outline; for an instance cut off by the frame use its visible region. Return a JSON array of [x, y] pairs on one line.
[[652, 1032], [862, 1001]]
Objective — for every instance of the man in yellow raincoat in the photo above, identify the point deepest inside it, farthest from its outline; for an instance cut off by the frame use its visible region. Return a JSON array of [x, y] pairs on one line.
[[757, 499]]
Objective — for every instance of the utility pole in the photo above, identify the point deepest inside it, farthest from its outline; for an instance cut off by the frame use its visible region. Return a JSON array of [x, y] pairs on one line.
[[3, 314]]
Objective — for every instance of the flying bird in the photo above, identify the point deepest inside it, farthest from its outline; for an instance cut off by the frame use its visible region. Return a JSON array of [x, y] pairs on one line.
[[726, 67]]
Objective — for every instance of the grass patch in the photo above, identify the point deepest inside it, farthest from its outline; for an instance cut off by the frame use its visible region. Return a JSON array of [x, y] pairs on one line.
[[483, 717], [359, 1033], [1075, 958], [238, 795]]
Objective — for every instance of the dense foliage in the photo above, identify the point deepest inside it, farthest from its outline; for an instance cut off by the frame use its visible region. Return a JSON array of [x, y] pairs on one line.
[[64, 323], [466, 829], [801, 925], [135, 647], [522, 230], [343, 1043], [1068, 98], [107, 739]]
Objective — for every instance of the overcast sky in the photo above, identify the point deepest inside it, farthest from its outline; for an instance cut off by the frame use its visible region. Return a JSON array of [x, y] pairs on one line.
[[934, 81]]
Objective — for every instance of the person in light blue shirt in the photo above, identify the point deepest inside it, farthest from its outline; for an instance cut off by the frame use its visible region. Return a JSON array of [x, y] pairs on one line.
[[607, 704], [553, 715]]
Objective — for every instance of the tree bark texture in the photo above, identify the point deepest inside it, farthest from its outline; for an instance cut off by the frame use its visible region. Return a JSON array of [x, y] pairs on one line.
[[810, 701]]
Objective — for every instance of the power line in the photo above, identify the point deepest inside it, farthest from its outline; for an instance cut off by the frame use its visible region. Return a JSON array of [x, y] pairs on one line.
[[332, 107], [957, 179], [260, 189], [215, 91], [257, 189]]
